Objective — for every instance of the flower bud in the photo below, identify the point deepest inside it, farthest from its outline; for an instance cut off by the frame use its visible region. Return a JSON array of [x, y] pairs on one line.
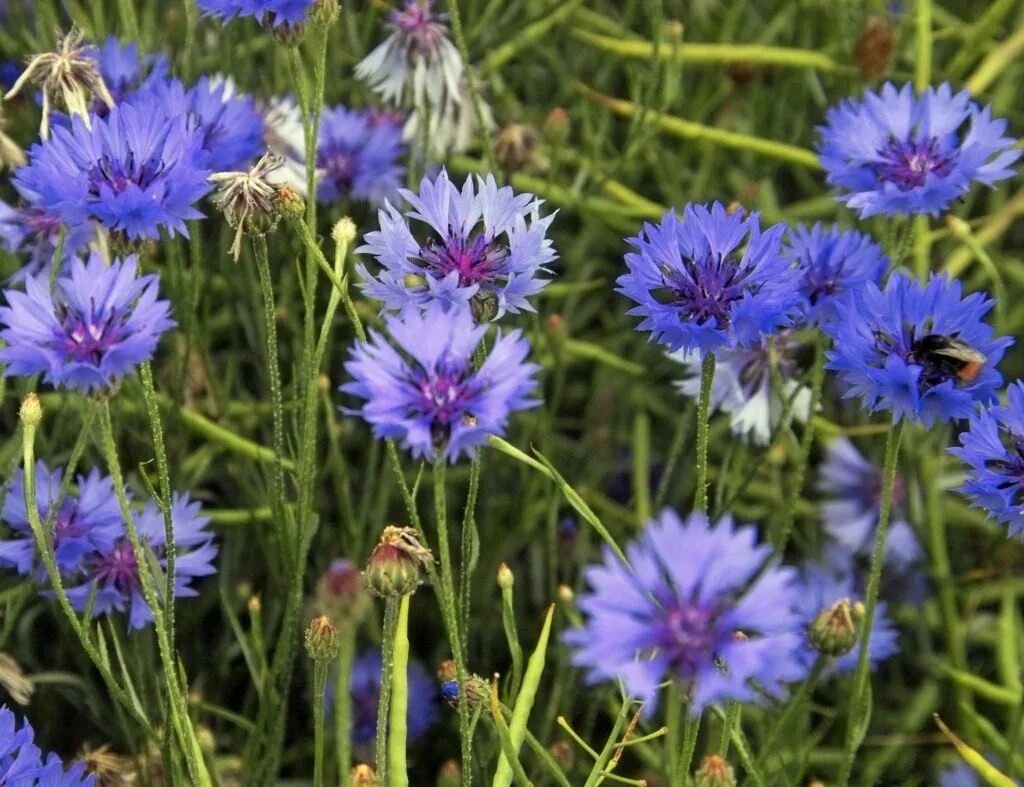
[[397, 564], [674, 30], [565, 594], [206, 740], [477, 689], [506, 579], [834, 631], [874, 48], [341, 594], [322, 639], [31, 412], [344, 230], [714, 772], [450, 775], [325, 12], [484, 306], [563, 755], [363, 776], [515, 146], [290, 203], [557, 126], [557, 331]]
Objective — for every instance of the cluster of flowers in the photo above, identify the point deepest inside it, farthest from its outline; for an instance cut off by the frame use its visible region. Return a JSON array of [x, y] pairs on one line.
[[22, 763]]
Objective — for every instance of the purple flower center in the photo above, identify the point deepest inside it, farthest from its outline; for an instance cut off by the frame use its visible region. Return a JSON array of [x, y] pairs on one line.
[[119, 566], [40, 223], [706, 288], [476, 260], [688, 635], [1011, 468], [908, 163], [339, 167], [444, 396], [67, 523], [86, 338], [108, 174], [422, 29]]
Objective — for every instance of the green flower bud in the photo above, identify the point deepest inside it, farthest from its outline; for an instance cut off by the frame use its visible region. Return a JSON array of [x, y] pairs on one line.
[[450, 775], [834, 632], [322, 639], [397, 564], [31, 412], [715, 772]]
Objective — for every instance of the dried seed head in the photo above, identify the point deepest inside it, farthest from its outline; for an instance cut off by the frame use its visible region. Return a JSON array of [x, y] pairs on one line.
[[69, 76], [14, 680], [250, 201], [874, 48], [110, 769]]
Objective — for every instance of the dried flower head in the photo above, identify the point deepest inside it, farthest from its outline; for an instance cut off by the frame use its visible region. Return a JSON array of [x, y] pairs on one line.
[[69, 75], [249, 200], [108, 768], [11, 154], [14, 680]]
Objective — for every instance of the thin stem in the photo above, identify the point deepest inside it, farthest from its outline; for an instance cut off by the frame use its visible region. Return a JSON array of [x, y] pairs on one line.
[[796, 704], [387, 650], [923, 48], [675, 451], [320, 668], [674, 714], [343, 705], [859, 710], [806, 443], [922, 247], [707, 376], [398, 772], [468, 547]]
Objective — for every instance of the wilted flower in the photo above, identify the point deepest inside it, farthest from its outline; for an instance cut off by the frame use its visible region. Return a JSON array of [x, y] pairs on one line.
[[993, 449], [895, 152], [249, 200], [483, 245], [743, 386], [273, 13], [357, 158], [429, 396], [820, 589], [99, 324], [11, 154], [417, 65], [109, 768], [114, 573], [284, 136], [22, 763], [711, 280], [834, 263], [136, 171], [450, 128], [918, 350], [14, 680], [85, 520], [698, 607], [69, 76]]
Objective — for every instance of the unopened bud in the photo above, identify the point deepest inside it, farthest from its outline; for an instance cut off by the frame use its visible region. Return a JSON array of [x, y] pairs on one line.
[[254, 605], [290, 203], [322, 639], [515, 146], [506, 579], [714, 772], [344, 230], [557, 126], [958, 226], [834, 631], [206, 740], [563, 755], [874, 48], [450, 775], [557, 331], [363, 776], [477, 691], [484, 306], [31, 412], [565, 594], [674, 30], [397, 564], [325, 12], [341, 594]]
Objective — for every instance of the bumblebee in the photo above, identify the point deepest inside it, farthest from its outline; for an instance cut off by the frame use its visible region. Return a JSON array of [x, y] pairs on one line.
[[950, 355]]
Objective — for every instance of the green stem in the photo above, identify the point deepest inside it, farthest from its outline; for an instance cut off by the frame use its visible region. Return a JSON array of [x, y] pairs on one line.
[[343, 706], [675, 451], [674, 713], [859, 710], [707, 377], [922, 247], [320, 668], [398, 772], [691, 729], [817, 381], [468, 547], [387, 651], [277, 495], [795, 705], [923, 47], [733, 713]]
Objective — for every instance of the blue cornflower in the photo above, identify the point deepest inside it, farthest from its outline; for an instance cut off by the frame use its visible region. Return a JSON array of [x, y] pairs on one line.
[[115, 571], [22, 764], [87, 520], [30, 232], [833, 263], [136, 171], [699, 607], [228, 123], [364, 690], [895, 152], [124, 70], [920, 351], [429, 396], [852, 491], [417, 65], [820, 588], [484, 244], [98, 326], [710, 280], [268, 12], [358, 158], [993, 449]]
